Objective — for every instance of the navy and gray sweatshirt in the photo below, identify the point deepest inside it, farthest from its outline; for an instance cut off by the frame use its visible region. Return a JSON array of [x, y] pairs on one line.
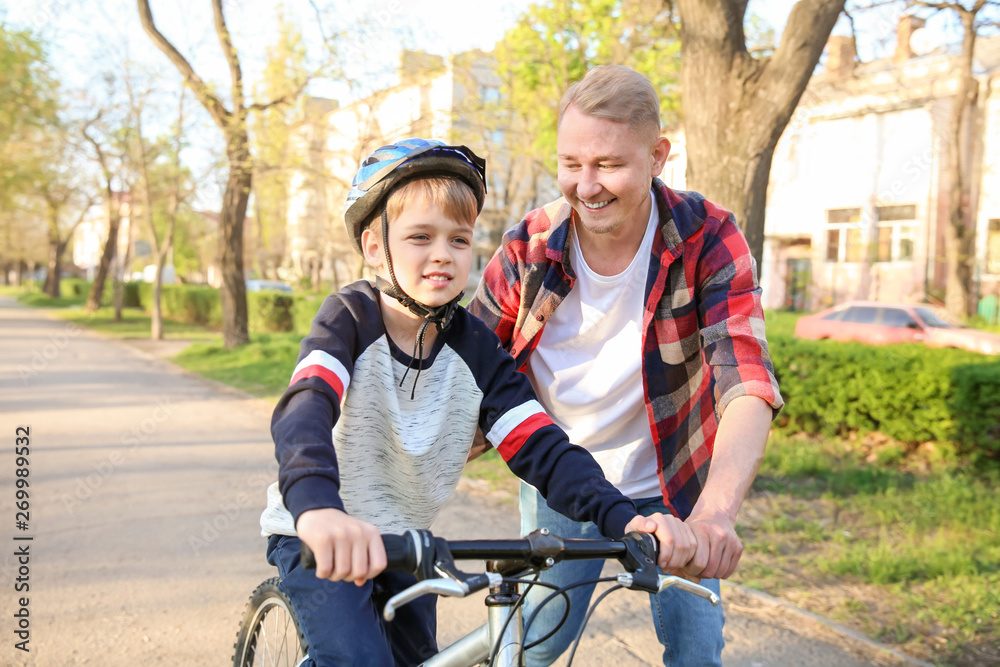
[[348, 436]]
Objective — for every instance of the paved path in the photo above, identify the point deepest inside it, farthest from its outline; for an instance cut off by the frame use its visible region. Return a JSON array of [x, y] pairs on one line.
[[146, 485]]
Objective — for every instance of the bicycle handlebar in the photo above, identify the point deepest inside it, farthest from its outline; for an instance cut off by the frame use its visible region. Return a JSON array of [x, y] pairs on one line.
[[431, 560], [416, 551]]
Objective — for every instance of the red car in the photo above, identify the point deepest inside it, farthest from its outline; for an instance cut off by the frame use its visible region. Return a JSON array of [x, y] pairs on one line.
[[879, 323]]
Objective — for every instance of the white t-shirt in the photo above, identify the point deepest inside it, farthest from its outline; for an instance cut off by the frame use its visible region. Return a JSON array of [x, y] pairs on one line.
[[587, 369]]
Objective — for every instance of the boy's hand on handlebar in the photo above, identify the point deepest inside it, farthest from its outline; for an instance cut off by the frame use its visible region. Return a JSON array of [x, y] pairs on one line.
[[346, 549], [677, 541]]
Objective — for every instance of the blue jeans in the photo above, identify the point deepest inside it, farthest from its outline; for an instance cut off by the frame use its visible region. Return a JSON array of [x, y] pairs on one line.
[[689, 628], [342, 623]]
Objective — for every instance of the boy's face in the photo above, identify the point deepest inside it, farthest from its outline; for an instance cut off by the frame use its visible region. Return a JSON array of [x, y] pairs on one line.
[[431, 254]]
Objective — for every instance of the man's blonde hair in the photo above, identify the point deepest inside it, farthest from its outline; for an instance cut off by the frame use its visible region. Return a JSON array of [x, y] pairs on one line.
[[616, 93]]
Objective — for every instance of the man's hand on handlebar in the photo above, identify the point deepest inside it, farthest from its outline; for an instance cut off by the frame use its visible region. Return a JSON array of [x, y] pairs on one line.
[[677, 541], [345, 549]]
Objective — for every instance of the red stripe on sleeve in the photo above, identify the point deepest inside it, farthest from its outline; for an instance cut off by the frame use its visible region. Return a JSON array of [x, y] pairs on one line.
[[512, 444], [322, 373]]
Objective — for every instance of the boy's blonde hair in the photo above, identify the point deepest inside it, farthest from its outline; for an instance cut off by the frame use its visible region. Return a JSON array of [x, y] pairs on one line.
[[617, 93], [455, 199]]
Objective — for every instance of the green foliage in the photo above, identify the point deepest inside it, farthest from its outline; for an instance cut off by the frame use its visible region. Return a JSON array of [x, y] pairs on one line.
[[262, 367], [303, 311], [186, 303], [906, 392], [269, 311], [554, 43], [976, 406], [74, 287], [28, 106]]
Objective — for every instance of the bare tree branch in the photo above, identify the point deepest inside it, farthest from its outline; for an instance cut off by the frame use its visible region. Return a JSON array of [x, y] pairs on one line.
[[211, 102]]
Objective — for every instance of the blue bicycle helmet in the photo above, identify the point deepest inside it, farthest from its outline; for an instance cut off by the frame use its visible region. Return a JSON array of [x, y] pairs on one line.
[[389, 165]]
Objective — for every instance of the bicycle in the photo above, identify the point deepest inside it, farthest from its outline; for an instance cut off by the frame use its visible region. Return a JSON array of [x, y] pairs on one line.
[[269, 634]]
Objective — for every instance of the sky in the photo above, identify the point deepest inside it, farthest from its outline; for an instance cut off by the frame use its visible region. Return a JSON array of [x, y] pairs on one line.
[[89, 38]]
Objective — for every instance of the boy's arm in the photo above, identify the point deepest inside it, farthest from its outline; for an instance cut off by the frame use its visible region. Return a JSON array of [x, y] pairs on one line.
[[303, 421]]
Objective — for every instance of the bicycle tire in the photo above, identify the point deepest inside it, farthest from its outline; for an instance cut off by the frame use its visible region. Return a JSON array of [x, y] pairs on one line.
[[269, 634]]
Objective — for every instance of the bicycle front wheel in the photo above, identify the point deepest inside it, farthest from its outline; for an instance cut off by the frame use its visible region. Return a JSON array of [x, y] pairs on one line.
[[269, 635]]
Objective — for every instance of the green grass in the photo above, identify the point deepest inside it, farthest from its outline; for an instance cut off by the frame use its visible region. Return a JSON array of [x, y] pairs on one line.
[[135, 324], [913, 534], [42, 300], [262, 367]]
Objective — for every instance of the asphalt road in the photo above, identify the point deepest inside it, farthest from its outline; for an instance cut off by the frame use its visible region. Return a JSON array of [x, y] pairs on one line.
[[145, 488]]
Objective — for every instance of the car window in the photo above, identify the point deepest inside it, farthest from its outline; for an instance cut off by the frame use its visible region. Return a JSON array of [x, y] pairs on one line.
[[897, 317], [932, 319], [860, 314], [835, 315]]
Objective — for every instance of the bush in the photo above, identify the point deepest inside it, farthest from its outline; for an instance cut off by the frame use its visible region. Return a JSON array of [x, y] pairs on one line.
[[74, 287], [908, 393], [186, 303], [976, 407], [270, 312], [303, 312]]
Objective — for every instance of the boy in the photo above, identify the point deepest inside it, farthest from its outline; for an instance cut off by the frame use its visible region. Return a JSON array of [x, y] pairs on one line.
[[365, 446]]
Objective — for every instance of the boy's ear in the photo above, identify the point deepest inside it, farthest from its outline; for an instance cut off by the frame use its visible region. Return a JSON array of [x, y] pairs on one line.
[[371, 245]]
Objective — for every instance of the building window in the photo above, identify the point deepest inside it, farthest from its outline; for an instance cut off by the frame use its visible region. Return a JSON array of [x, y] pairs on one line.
[[896, 232], [993, 247], [489, 93], [844, 241]]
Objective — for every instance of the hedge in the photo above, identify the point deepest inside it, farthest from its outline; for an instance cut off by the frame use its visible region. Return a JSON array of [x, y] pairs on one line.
[[909, 393], [266, 311], [76, 287]]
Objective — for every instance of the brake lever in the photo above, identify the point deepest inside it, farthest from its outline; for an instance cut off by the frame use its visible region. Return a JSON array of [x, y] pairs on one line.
[[452, 588], [446, 587]]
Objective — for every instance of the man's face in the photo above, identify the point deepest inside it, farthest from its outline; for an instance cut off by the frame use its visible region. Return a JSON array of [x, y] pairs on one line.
[[605, 171], [431, 253]]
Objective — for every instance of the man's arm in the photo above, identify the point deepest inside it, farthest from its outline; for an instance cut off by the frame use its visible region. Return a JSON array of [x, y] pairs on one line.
[[739, 449]]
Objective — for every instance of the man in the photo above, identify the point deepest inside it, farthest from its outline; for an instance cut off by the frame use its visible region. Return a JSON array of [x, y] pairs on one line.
[[635, 312]]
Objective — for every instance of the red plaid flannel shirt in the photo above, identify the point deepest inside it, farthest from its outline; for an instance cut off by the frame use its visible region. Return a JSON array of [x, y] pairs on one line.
[[703, 331]]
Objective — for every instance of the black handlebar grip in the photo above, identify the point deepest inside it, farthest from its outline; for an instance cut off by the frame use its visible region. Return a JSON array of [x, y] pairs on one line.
[[399, 551]]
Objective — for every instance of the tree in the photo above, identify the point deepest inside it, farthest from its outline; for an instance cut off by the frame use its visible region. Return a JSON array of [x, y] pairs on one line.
[[67, 200], [274, 158], [28, 112], [110, 147], [960, 230], [232, 122], [163, 193], [555, 43], [735, 105]]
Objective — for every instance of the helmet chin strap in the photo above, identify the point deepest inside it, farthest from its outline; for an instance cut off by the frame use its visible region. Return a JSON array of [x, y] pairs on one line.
[[440, 315]]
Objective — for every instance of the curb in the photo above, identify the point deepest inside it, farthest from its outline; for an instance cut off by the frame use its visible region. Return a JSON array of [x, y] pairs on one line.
[[848, 634]]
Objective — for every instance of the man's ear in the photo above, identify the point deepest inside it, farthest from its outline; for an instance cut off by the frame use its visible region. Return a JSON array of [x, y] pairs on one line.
[[371, 246], [661, 150]]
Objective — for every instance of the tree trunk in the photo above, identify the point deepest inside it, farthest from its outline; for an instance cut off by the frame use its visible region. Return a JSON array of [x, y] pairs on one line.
[[232, 217], [107, 257], [736, 106], [156, 321], [959, 237], [56, 248]]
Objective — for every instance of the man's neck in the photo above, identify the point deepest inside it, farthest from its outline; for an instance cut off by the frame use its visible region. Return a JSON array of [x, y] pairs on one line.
[[611, 253]]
